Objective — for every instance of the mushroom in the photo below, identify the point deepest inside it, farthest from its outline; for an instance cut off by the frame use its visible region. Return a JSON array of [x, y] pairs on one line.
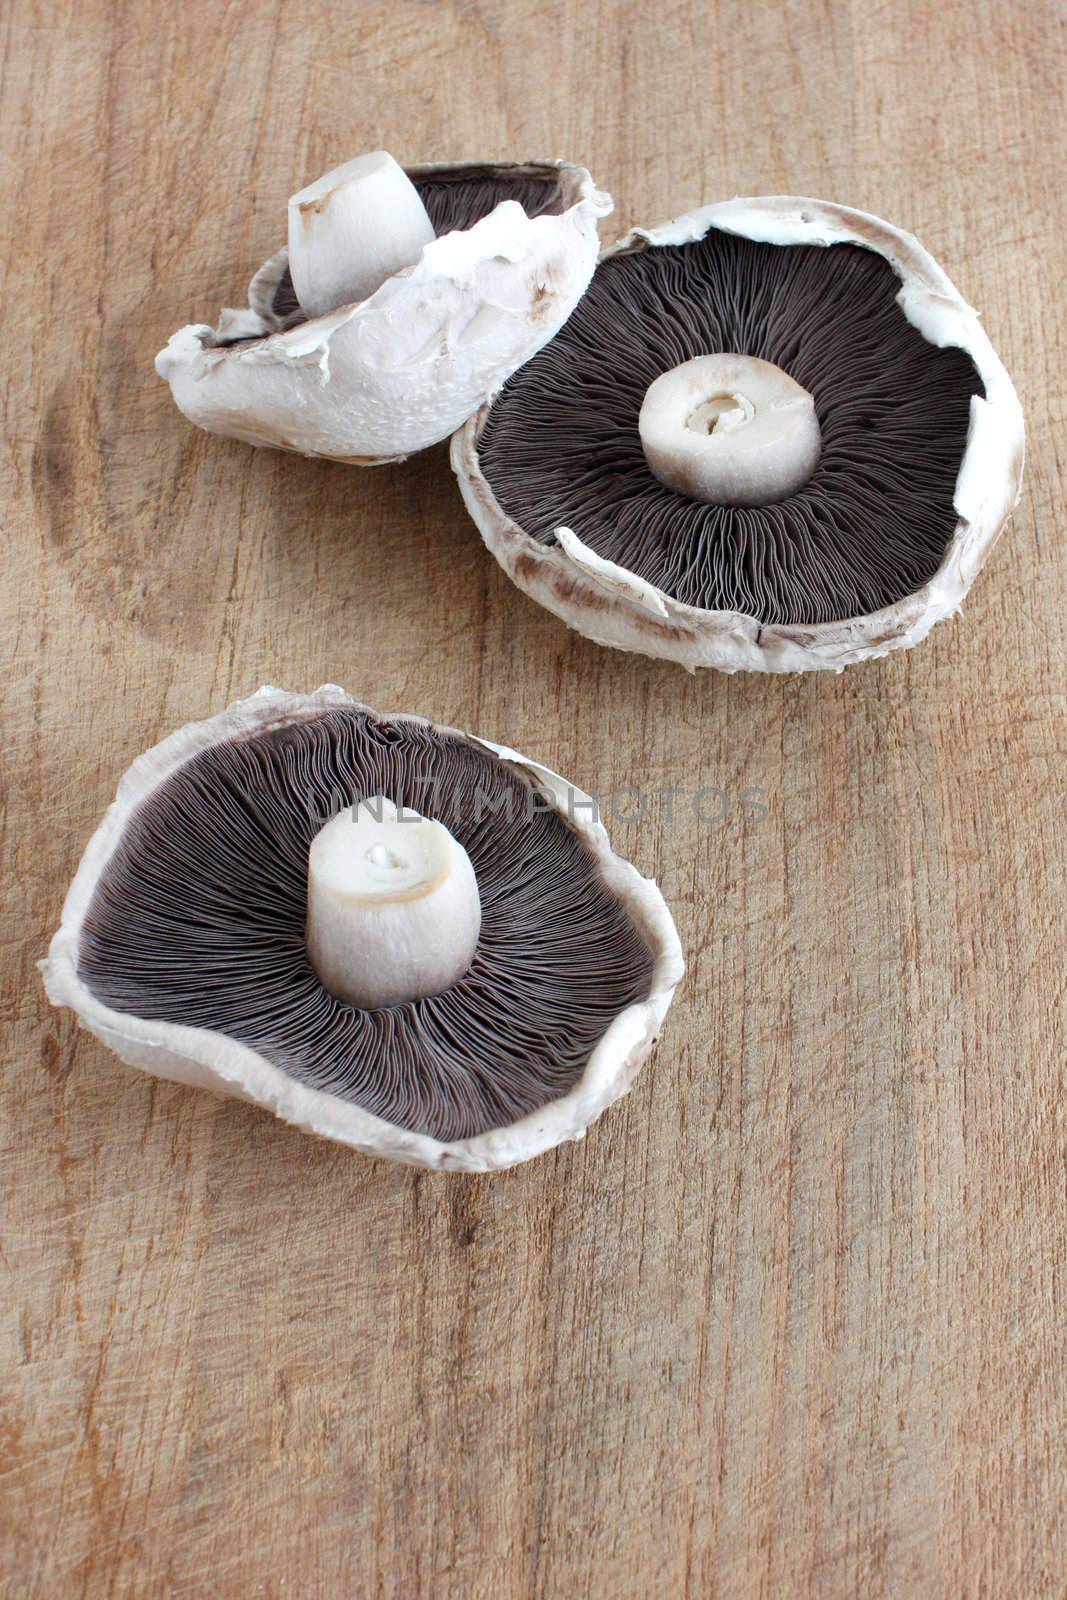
[[401, 302], [389, 933], [771, 436]]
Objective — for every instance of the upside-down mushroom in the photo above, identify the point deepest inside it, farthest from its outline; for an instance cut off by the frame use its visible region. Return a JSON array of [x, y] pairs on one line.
[[389, 933], [771, 436]]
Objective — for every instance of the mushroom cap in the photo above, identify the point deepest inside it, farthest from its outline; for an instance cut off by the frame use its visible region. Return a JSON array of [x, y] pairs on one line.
[[135, 952], [392, 374], [577, 574]]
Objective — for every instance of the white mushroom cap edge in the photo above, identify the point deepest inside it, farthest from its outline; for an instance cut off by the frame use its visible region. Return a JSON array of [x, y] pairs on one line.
[[615, 607], [374, 381], [207, 1059]]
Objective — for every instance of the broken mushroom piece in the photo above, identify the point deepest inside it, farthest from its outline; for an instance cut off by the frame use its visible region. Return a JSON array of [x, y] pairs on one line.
[[401, 302], [389, 933], [771, 436]]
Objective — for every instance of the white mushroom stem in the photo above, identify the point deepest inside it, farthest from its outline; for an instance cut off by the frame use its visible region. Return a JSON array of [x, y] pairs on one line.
[[352, 229], [393, 908], [730, 430]]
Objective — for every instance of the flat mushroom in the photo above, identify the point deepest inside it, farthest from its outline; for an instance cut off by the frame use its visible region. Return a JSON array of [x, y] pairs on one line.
[[389, 933], [417, 294], [771, 436]]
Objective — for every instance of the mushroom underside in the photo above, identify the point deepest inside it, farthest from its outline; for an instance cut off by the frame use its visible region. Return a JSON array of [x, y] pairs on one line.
[[561, 447], [198, 919], [458, 199]]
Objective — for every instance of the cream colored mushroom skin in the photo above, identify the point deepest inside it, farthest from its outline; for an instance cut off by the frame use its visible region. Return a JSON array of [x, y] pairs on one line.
[[729, 429], [393, 905], [211, 1060], [375, 381], [618, 608]]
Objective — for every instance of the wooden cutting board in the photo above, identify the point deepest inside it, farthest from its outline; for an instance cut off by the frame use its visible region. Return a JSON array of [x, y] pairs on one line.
[[790, 1321]]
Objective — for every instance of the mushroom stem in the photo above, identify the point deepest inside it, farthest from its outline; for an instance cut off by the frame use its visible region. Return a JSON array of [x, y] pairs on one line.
[[729, 430], [393, 908], [353, 229]]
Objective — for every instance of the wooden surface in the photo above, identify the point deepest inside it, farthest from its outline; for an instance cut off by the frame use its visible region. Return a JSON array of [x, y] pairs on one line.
[[791, 1321]]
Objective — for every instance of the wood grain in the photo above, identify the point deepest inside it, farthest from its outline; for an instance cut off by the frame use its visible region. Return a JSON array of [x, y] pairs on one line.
[[790, 1322]]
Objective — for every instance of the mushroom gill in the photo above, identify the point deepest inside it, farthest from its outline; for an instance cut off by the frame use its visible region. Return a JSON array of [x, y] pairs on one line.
[[561, 444], [197, 918]]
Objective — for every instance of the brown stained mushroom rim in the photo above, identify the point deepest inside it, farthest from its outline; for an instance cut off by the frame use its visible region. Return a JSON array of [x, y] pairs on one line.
[[458, 197], [198, 919], [560, 445]]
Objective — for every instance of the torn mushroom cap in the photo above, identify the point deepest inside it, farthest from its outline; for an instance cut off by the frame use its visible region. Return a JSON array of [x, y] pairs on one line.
[[182, 944], [918, 467], [382, 377]]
